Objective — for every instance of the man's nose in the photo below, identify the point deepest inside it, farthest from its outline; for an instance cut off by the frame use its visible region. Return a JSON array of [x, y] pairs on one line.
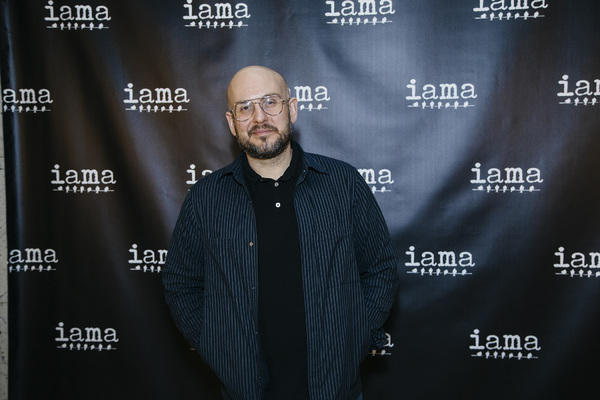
[[259, 115]]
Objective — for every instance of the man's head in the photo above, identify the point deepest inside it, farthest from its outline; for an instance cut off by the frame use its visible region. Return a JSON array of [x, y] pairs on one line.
[[265, 132]]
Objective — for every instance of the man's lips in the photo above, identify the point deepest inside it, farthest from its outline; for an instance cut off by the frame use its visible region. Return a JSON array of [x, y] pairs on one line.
[[262, 130]]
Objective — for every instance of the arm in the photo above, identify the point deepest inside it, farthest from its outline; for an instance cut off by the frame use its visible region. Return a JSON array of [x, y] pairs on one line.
[[183, 275], [376, 260]]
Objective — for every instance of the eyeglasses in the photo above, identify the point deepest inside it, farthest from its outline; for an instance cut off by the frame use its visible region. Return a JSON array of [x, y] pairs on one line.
[[272, 105]]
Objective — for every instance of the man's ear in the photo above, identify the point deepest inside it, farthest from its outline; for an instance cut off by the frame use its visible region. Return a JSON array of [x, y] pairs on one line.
[[230, 122], [293, 106]]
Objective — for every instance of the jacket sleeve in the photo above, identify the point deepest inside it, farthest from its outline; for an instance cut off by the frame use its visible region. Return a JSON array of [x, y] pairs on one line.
[[376, 259], [183, 274]]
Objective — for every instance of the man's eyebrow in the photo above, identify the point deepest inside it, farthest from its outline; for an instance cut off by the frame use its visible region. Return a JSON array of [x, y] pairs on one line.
[[256, 98]]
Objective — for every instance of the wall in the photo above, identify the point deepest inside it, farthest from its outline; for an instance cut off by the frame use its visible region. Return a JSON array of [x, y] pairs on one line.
[[474, 122], [3, 280]]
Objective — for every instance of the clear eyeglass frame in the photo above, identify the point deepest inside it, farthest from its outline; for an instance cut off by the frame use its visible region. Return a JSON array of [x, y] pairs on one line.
[[244, 110]]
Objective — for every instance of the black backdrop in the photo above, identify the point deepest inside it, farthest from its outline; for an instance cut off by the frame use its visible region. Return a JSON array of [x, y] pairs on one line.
[[475, 122]]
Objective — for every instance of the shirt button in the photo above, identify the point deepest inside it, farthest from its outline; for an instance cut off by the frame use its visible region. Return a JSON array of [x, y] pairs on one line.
[[251, 244], [278, 204], [276, 184]]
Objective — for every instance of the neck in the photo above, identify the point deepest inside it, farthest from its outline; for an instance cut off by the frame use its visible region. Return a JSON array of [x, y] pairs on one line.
[[272, 168]]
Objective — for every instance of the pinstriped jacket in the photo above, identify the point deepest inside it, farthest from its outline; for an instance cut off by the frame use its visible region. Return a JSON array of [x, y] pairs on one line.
[[348, 273]]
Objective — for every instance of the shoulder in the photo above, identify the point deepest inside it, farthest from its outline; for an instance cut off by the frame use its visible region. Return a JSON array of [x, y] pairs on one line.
[[335, 177], [214, 180], [329, 165]]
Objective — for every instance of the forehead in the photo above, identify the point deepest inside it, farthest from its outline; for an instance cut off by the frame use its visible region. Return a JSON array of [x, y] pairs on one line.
[[255, 83]]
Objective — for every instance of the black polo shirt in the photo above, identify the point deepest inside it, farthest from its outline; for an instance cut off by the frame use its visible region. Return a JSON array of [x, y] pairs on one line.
[[281, 317]]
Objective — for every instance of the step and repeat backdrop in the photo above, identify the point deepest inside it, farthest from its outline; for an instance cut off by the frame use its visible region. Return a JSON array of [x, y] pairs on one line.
[[475, 122]]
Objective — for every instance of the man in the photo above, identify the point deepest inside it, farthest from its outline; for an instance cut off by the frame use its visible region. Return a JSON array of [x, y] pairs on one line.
[[281, 270]]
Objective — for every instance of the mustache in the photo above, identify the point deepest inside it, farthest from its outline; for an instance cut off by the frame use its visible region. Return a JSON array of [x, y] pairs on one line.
[[262, 127]]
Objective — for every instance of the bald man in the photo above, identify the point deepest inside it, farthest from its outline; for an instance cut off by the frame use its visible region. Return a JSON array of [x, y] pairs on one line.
[[280, 271]]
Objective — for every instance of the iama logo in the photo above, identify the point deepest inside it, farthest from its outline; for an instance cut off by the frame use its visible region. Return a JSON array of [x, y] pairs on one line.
[[379, 181], [507, 180], [506, 10], [85, 339], [155, 100], [359, 12], [441, 96], [504, 347], [76, 17], [583, 93], [83, 181], [147, 260], [442, 263], [26, 100], [578, 265], [32, 260], [215, 16], [310, 99]]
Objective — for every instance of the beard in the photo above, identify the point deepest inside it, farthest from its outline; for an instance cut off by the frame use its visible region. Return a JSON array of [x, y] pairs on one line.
[[265, 150]]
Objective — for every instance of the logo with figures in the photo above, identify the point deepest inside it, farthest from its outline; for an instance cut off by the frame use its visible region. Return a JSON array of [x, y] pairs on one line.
[[76, 17], [580, 265], [215, 16], [147, 260], [380, 181], [155, 100], [584, 92], [26, 100], [504, 347], [85, 339], [442, 263], [310, 99], [506, 10], [507, 180], [359, 12], [83, 181], [32, 260], [440, 96]]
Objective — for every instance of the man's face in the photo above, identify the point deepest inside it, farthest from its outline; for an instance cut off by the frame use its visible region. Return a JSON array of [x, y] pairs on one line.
[[262, 136]]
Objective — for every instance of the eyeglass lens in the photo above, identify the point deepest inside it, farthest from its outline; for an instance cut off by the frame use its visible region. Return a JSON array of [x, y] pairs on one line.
[[271, 105]]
